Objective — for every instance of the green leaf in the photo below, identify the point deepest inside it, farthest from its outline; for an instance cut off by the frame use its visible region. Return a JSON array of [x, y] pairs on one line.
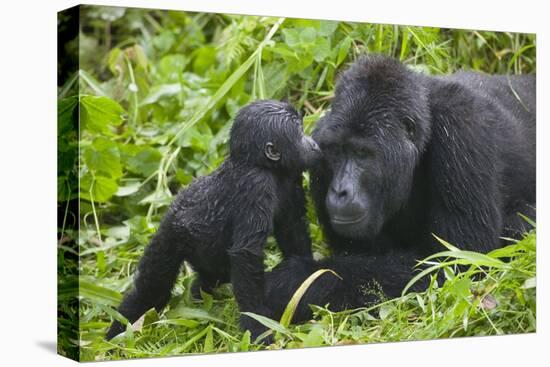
[[99, 189], [208, 341], [129, 189], [321, 49], [307, 35], [461, 287], [327, 27], [161, 91], [244, 345], [184, 312], [98, 113], [205, 57], [385, 311], [343, 50], [65, 114], [103, 158], [267, 322], [446, 244], [292, 37], [191, 324], [98, 293], [315, 337], [141, 159], [530, 283], [471, 257]]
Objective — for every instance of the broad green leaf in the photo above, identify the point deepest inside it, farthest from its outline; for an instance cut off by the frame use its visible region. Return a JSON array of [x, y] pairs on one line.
[[99, 189], [141, 159], [97, 114], [307, 35], [103, 158], [461, 287], [321, 49], [315, 337], [65, 114], [292, 37], [128, 189], [327, 27], [161, 91], [205, 57]]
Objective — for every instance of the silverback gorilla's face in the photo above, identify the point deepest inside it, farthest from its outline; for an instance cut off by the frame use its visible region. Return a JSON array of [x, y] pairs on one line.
[[371, 142]]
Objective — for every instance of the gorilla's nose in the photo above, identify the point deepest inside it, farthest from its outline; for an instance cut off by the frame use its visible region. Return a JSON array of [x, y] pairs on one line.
[[342, 206], [338, 195]]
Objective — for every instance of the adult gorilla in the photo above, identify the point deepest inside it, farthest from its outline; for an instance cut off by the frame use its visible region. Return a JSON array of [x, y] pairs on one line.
[[407, 156]]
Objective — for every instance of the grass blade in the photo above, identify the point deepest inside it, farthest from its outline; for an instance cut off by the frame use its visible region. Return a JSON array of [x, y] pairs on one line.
[[98, 293], [290, 309], [267, 322]]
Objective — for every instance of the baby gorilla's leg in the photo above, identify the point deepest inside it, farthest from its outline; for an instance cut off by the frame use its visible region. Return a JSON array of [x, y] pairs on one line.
[[156, 274]]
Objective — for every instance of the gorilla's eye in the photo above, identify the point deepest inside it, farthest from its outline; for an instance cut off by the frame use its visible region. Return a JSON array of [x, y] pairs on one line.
[[362, 152]]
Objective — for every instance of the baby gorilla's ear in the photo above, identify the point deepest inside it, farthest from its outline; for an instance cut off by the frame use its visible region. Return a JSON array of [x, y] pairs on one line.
[[271, 152]]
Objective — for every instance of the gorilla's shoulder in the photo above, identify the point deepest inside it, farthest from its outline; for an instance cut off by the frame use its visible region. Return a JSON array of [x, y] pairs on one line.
[[451, 98]]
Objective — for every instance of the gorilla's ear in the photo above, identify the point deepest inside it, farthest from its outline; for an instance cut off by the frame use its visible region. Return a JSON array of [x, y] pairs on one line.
[[271, 152]]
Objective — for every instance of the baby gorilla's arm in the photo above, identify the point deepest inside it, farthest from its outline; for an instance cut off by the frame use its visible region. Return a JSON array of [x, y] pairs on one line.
[[291, 226], [247, 268]]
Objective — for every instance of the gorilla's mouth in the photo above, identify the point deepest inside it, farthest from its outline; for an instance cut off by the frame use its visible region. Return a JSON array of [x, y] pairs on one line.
[[347, 220]]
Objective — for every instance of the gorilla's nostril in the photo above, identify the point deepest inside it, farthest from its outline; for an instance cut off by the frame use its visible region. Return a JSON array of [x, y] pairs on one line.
[[342, 194]]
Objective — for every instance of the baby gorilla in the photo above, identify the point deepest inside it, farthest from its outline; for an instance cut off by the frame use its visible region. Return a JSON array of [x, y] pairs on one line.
[[220, 222]]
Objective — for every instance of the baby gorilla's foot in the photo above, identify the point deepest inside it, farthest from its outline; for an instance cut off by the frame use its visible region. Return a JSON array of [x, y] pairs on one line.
[[199, 285]]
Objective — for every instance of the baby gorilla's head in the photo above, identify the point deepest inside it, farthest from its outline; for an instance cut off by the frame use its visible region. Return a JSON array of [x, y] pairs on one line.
[[270, 134]]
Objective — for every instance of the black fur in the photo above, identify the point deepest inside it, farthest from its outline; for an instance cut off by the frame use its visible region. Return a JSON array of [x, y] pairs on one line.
[[362, 281], [220, 223], [408, 155]]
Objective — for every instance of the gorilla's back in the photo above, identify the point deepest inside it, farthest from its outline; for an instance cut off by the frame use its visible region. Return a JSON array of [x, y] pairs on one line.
[[514, 94]]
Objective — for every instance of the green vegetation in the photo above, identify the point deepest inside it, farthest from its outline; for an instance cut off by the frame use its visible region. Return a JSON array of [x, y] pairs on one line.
[[157, 91]]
